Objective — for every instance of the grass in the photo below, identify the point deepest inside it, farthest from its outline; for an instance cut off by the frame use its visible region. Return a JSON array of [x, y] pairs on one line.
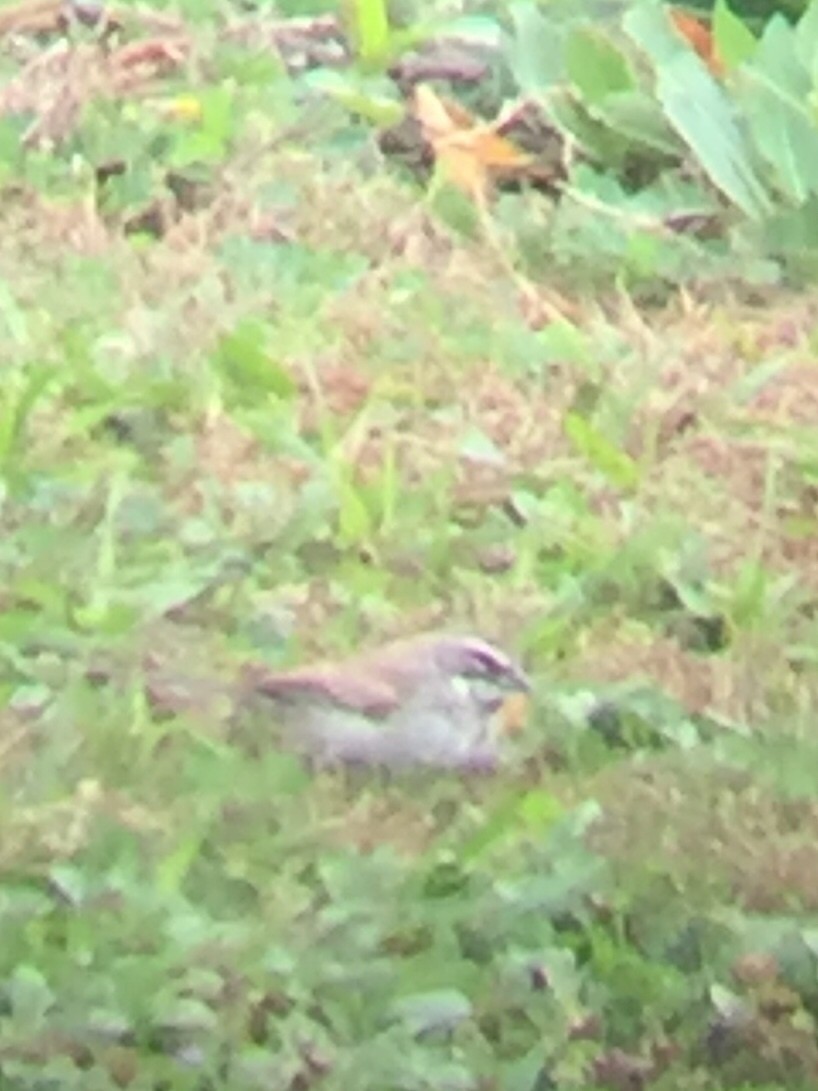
[[303, 414]]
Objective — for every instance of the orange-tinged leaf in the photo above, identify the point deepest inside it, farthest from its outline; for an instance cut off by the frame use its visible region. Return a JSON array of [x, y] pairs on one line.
[[463, 169], [436, 121], [699, 37], [499, 153], [467, 151]]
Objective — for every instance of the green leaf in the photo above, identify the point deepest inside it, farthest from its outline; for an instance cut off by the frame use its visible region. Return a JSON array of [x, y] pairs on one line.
[[751, 594], [208, 142], [595, 66], [561, 890], [562, 340], [593, 135], [614, 464], [172, 869], [373, 100], [638, 117], [734, 40], [527, 1073], [535, 54], [355, 524], [536, 811], [758, 378], [243, 358], [30, 996], [806, 35], [185, 1013], [775, 93], [370, 29], [699, 110], [794, 236], [477, 446], [479, 30], [437, 1010], [16, 407], [539, 810], [564, 981]]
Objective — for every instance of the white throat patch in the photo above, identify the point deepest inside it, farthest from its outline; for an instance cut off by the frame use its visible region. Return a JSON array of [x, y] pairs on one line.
[[461, 686]]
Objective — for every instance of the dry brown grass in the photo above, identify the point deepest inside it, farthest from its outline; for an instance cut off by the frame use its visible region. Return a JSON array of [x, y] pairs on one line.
[[715, 832]]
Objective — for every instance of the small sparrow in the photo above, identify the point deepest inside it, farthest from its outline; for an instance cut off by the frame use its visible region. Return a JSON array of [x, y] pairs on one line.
[[431, 700]]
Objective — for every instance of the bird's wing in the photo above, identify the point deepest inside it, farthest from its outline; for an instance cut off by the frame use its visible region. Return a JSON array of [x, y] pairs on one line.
[[368, 695]]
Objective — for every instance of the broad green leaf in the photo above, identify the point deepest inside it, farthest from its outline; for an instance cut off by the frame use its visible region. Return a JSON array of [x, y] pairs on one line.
[[637, 116], [806, 38], [562, 340], [30, 996], [605, 457], [591, 132], [184, 1013], [595, 66], [560, 890], [734, 40], [437, 1010], [539, 809], [172, 869], [208, 141], [564, 980], [527, 1073], [371, 99], [535, 54], [243, 357], [476, 29], [775, 92], [169, 591], [71, 883], [535, 811], [694, 597], [649, 26], [699, 110], [793, 235]]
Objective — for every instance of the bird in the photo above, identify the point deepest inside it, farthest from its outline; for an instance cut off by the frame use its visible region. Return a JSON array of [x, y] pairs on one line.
[[433, 699]]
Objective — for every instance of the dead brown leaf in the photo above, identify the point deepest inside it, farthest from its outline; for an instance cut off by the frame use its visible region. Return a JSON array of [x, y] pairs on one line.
[[468, 152], [699, 37]]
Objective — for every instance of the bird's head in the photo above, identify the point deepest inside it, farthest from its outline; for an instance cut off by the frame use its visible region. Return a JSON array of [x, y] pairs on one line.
[[490, 675]]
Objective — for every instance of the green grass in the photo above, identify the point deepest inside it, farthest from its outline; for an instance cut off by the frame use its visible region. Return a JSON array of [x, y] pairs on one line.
[[307, 415]]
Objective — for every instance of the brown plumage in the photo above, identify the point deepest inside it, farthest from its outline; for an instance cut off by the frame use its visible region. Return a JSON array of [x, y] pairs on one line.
[[431, 699]]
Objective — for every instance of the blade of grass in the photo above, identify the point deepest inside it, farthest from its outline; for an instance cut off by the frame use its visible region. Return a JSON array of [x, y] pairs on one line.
[[369, 24]]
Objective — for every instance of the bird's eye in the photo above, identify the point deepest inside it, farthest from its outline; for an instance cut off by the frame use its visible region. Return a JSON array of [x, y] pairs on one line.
[[483, 689]]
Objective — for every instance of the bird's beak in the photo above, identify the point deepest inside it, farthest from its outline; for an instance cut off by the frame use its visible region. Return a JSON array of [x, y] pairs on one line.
[[513, 713], [514, 709], [518, 681]]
